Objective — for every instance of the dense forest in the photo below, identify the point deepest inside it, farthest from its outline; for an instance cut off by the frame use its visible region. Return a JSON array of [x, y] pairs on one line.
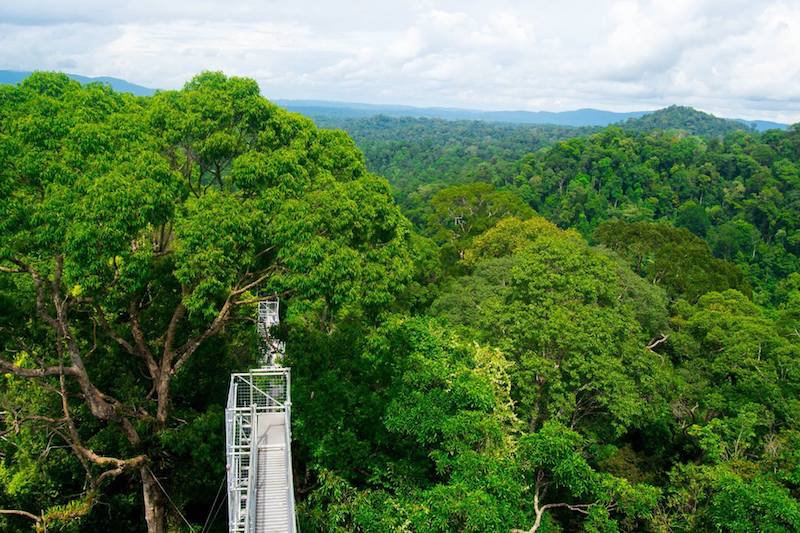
[[736, 194], [490, 327], [420, 154]]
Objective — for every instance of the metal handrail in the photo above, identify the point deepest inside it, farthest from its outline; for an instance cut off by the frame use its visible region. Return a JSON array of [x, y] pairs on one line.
[[243, 442], [252, 474], [292, 518], [254, 387]]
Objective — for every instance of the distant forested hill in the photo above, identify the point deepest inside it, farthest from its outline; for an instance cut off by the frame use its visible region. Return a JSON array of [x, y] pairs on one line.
[[732, 186], [695, 122], [578, 117], [738, 189], [685, 119], [674, 117]]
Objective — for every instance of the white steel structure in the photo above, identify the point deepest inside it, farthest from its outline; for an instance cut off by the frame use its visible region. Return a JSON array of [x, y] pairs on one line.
[[268, 315], [258, 441]]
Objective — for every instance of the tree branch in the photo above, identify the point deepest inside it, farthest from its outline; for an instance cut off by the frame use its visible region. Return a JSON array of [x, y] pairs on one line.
[[41, 297], [101, 405], [25, 514], [263, 276], [192, 344], [87, 453], [169, 340], [119, 339], [580, 507], [138, 332], [261, 298], [21, 372], [152, 367], [655, 342]]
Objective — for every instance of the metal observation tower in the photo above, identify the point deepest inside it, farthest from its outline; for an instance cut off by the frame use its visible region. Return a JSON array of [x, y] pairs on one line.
[[258, 440]]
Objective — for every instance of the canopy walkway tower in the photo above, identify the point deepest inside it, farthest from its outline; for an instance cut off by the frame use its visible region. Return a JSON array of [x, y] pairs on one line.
[[258, 439]]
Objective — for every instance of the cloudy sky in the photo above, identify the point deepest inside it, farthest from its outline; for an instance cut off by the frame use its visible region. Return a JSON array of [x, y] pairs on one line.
[[731, 57]]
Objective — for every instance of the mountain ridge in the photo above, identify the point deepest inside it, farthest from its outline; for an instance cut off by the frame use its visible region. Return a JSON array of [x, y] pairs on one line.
[[690, 120], [336, 109], [576, 118]]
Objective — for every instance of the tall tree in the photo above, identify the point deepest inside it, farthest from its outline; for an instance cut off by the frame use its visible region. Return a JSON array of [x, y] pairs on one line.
[[135, 232], [563, 313], [672, 258], [461, 212]]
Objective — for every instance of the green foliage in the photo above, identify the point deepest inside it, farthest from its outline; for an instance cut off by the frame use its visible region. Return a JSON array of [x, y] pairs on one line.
[[738, 191], [730, 342], [420, 156], [564, 318], [693, 217], [461, 212], [671, 257], [719, 499], [422, 423], [554, 458], [738, 371], [644, 360]]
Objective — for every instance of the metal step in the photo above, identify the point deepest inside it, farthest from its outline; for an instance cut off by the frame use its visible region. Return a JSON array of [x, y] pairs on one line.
[[272, 484]]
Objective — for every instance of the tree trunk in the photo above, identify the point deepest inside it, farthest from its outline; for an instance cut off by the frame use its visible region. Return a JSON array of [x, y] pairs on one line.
[[154, 510], [162, 393]]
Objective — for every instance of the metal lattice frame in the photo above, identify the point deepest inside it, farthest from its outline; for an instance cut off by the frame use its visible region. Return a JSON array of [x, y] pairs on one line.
[[268, 315], [272, 350], [250, 394]]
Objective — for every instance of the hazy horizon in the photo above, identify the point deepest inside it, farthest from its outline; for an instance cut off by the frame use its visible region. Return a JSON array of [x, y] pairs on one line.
[[726, 58], [323, 103]]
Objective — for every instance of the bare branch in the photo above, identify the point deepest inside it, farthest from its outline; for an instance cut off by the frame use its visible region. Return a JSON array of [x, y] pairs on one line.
[[37, 418], [81, 450], [138, 332], [25, 514], [192, 344], [655, 342], [582, 508], [161, 386], [256, 299], [169, 340], [101, 405], [540, 487], [21, 372], [249, 301], [260, 279], [264, 251], [152, 367], [119, 339]]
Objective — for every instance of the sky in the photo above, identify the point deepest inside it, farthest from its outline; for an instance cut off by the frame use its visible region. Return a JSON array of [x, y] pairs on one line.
[[734, 58]]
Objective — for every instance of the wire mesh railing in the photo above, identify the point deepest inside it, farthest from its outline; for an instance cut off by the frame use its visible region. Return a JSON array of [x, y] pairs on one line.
[[251, 394]]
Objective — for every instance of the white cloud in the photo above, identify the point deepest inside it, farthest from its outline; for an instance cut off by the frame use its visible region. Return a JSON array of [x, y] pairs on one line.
[[732, 57]]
